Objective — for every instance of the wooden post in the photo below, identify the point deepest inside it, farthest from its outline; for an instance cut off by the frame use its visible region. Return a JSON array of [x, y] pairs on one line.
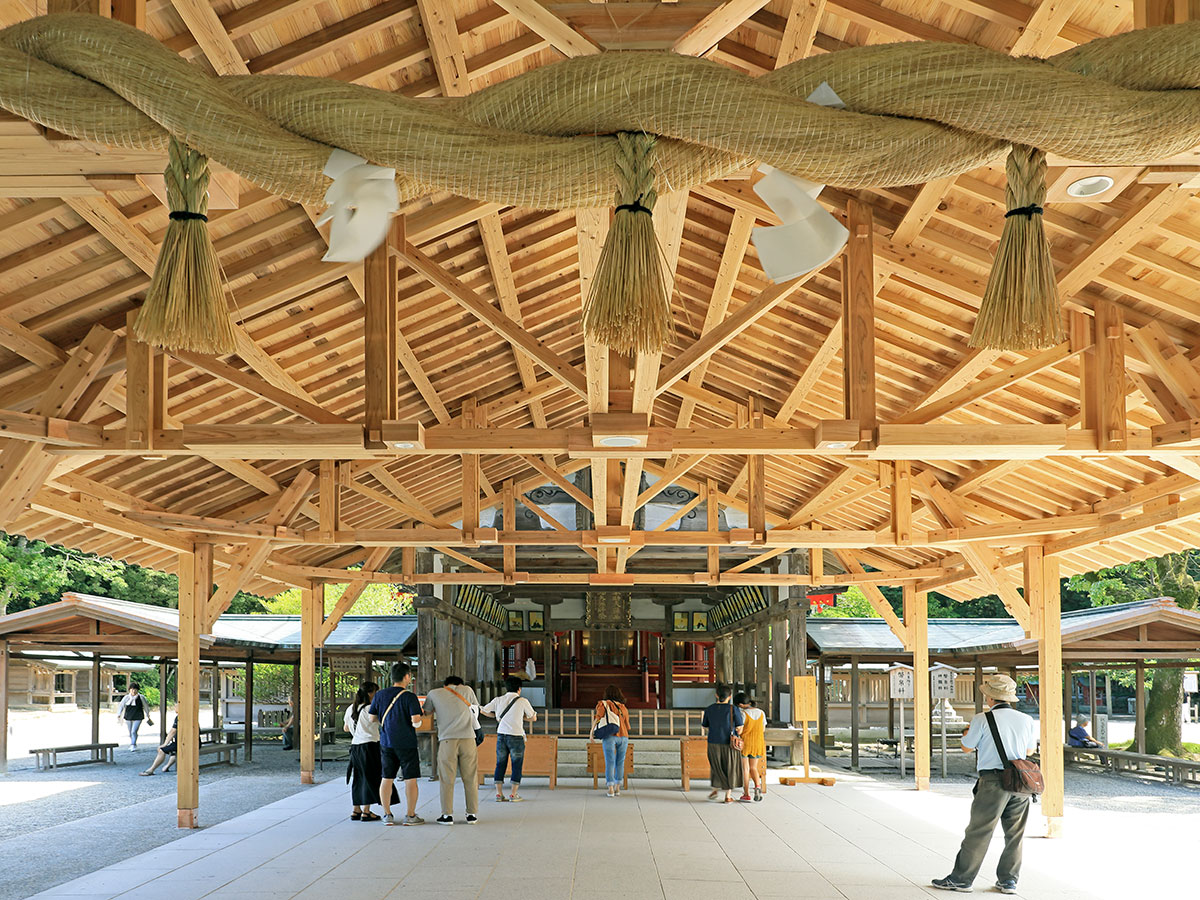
[[822, 705], [1068, 697], [978, 686], [1103, 379], [1042, 591], [217, 689], [380, 335], [248, 717], [426, 648], [139, 389], [756, 476], [312, 607], [762, 667], [902, 501], [779, 666], [4, 706], [96, 697], [195, 585], [162, 702], [1139, 706], [855, 698], [858, 317], [916, 619]]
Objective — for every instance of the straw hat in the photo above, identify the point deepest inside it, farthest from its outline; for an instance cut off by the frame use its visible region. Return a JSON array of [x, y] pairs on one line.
[[1000, 687]]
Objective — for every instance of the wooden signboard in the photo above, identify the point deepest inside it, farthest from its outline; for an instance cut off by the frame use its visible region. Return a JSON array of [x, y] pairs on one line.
[[805, 704]]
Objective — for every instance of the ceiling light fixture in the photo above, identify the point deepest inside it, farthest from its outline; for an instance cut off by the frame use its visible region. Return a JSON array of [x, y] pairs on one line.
[[620, 440], [402, 445], [1091, 186]]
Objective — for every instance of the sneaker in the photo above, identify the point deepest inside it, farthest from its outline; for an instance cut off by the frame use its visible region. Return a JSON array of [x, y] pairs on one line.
[[757, 795], [444, 820], [745, 798], [500, 798], [949, 884], [515, 798], [132, 748], [1007, 886], [414, 820], [472, 820], [389, 819]]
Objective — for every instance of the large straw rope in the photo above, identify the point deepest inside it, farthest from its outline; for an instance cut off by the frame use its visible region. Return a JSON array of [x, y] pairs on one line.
[[545, 139]]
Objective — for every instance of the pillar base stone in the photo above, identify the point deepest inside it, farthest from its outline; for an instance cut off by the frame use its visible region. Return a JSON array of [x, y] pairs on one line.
[[188, 818], [1054, 826]]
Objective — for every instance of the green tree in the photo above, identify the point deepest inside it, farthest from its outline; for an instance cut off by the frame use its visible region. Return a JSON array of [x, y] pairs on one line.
[[375, 600], [28, 573], [1173, 575]]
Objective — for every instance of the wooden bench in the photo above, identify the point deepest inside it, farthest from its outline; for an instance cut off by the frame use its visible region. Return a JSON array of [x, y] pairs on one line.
[[47, 757], [1169, 769], [693, 760], [595, 764], [224, 752], [541, 757]]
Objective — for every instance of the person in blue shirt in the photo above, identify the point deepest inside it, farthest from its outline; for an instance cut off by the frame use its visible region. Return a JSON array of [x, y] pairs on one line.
[[723, 722], [1078, 736], [992, 804], [398, 712]]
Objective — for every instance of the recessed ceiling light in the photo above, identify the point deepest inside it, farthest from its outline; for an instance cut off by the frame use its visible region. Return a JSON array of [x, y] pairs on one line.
[[403, 445], [837, 445], [1089, 186], [620, 440]]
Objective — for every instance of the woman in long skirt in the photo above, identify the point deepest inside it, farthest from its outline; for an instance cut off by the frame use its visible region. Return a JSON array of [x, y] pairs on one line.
[[365, 770]]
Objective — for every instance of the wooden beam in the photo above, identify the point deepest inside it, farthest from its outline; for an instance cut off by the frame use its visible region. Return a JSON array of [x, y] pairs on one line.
[[812, 373], [875, 597], [381, 330], [201, 20], [799, 31], [1103, 380], [709, 31], [902, 506], [858, 318], [541, 21], [259, 387], [139, 391], [501, 324], [1178, 374], [756, 475], [446, 45], [971, 366]]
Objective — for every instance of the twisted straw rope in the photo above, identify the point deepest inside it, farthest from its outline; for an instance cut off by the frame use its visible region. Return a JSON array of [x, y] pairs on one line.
[[545, 139]]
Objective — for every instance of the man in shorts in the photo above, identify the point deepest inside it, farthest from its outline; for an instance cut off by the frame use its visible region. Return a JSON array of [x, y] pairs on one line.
[[398, 712]]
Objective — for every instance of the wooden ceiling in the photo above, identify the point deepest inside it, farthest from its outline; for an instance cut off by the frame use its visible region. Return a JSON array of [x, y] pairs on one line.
[[1004, 450]]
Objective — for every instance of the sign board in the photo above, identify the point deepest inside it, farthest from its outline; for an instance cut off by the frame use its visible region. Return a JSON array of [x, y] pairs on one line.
[[347, 662], [1100, 729], [804, 688], [941, 682], [1191, 682], [901, 682]]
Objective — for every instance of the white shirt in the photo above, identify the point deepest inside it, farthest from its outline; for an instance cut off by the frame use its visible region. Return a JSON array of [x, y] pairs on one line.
[[1018, 731], [364, 731], [514, 720]]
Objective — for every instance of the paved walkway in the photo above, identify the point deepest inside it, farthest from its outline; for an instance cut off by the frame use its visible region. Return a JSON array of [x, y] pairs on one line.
[[859, 840]]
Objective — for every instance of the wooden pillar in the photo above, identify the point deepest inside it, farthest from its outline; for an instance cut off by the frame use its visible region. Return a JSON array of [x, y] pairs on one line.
[[855, 699], [779, 665], [96, 698], [380, 337], [1139, 706], [739, 660], [162, 702], [312, 606], [668, 660], [891, 716], [822, 705], [1068, 697], [916, 619], [195, 586], [248, 717], [426, 652], [217, 690], [978, 686], [4, 706], [762, 666], [444, 640], [1103, 382], [1108, 694], [858, 317], [1042, 591]]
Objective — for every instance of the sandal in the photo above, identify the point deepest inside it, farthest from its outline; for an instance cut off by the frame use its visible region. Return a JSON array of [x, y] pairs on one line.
[[355, 816], [370, 817], [145, 773]]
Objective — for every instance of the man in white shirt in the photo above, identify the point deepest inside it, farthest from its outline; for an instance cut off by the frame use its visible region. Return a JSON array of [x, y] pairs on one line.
[[455, 709], [991, 804], [511, 711]]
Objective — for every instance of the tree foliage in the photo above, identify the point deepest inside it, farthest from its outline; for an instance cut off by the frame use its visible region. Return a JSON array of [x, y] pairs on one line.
[[375, 600]]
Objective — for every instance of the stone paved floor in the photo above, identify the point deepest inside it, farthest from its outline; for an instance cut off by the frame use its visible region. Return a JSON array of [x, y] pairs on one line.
[[859, 840]]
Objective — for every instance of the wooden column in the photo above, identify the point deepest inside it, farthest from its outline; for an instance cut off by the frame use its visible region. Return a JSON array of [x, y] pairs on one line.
[[1103, 381], [1042, 591], [444, 639], [195, 586], [756, 475], [739, 660], [248, 717], [822, 705], [858, 318], [162, 702], [855, 699], [217, 690], [797, 645], [4, 706], [96, 697], [916, 620], [667, 668], [762, 666], [426, 648], [978, 686], [779, 666], [1139, 706], [380, 332], [312, 607]]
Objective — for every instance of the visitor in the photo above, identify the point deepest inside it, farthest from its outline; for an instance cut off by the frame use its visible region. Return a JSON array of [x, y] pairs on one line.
[[166, 750], [456, 709], [992, 803], [397, 710], [288, 726], [723, 723], [1078, 736], [511, 712], [609, 712], [133, 710], [365, 768], [754, 749]]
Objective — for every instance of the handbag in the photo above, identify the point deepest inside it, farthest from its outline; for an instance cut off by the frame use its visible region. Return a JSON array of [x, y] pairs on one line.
[[1019, 776], [474, 716], [608, 729], [735, 739]]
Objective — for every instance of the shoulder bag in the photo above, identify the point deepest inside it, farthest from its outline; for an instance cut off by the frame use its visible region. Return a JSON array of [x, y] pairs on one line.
[[735, 739], [608, 729], [474, 716], [1019, 776]]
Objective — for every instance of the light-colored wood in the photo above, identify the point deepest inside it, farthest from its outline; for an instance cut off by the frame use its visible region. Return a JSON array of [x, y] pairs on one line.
[[201, 20], [1045, 570], [803, 18], [312, 612], [916, 620], [858, 318], [540, 20], [706, 33], [195, 582]]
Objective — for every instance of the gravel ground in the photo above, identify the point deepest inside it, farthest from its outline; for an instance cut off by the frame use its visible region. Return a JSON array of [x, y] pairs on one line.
[[58, 825]]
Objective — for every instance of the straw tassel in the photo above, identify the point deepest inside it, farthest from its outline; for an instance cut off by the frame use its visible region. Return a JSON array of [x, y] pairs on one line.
[[629, 306], [185, 305], [1020, 309]]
